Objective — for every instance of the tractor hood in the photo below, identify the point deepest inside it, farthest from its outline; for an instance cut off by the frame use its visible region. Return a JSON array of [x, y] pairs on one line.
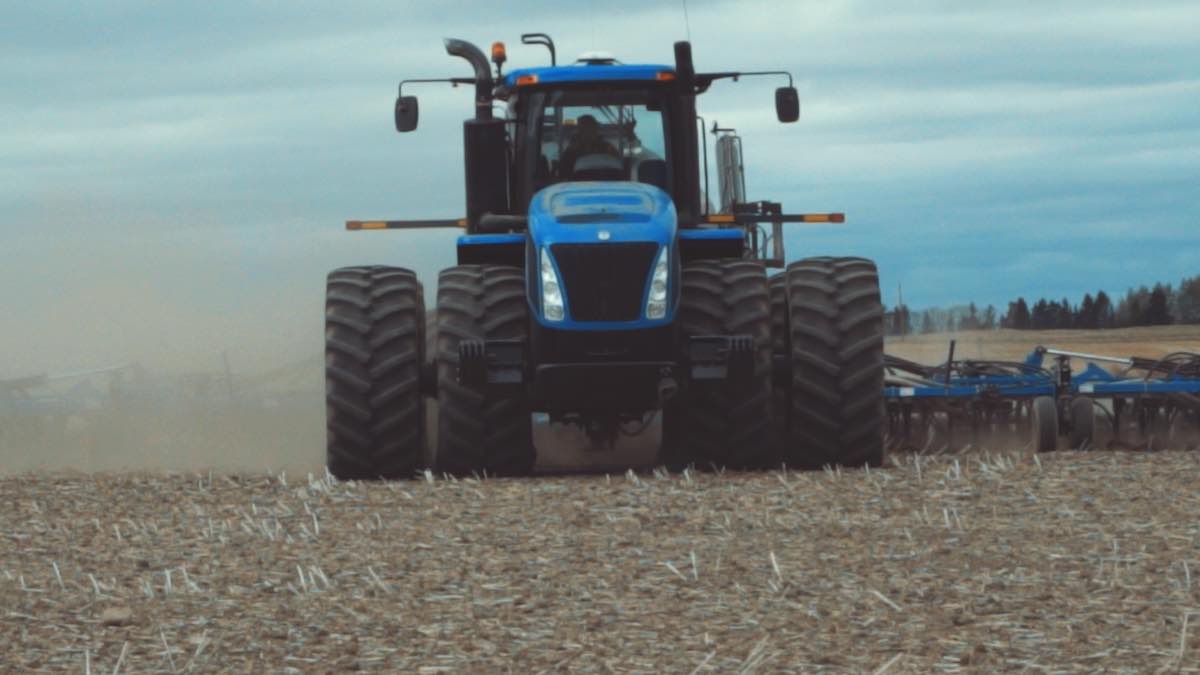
[[604, 241], [595, 212]]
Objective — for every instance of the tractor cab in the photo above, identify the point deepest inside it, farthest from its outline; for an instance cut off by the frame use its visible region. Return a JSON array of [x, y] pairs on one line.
[[594, 120], [602, 122]]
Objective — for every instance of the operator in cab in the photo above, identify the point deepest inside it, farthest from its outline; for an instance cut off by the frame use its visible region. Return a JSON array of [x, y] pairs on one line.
[[587, 141]]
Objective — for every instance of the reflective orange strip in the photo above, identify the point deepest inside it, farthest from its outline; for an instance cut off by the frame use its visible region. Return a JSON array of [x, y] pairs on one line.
[[401, 224], [824, 217], [665, 76], [722, 218]]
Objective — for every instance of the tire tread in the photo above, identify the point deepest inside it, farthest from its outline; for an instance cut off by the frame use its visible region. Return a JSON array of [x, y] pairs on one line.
[[834, 319], [374, 333]]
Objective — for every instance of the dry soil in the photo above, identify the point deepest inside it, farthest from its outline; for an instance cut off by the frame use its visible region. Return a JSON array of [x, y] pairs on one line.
[[1063, 562]]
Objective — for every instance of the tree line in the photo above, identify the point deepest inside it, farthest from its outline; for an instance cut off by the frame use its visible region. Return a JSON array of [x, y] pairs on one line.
[[1159, 305]]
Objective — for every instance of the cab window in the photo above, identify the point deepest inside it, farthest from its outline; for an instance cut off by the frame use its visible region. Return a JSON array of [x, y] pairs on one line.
[[598, 134]]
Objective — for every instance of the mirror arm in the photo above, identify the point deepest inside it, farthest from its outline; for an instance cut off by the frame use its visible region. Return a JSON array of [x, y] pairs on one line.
[[769, 72], [703, 80], [455, 81]]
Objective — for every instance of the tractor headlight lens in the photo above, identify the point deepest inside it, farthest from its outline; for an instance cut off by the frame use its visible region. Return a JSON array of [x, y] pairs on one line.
[[552, 298], [656, 303]]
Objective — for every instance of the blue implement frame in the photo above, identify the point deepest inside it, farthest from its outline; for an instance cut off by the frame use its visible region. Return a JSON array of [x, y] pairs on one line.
[[1149, 403]]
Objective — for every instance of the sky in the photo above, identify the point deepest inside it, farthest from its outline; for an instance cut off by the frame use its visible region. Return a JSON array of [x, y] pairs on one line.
[[174, 177]]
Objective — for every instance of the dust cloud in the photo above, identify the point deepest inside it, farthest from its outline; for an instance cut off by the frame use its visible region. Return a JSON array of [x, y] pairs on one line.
[[120, 375], [150, 344]]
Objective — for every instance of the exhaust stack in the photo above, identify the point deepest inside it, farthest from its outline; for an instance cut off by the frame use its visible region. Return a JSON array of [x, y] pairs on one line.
[[483, 74]]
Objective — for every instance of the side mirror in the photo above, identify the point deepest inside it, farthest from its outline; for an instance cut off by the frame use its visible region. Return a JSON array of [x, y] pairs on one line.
[[787, 104], [406, 113]]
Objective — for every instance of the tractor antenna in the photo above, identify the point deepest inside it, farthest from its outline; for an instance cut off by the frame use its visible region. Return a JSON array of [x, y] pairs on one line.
[[687, 23]]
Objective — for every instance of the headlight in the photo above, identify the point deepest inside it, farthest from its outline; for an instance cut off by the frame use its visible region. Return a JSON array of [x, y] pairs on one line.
[[552, 297], [656, 301]]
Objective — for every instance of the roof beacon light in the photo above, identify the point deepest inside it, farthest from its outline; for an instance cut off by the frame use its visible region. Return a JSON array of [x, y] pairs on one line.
[[499, 55]]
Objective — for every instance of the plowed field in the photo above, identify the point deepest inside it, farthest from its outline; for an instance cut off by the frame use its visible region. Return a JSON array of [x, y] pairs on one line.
[[1069, 561]]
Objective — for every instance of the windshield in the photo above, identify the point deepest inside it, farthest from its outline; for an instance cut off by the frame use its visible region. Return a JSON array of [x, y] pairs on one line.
[[597, 134]]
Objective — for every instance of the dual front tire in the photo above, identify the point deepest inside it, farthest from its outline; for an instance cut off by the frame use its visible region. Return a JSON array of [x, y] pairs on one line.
[[481, 429], [816, 396], [374, 356], [374, 351], [828, 320], [723, 423]]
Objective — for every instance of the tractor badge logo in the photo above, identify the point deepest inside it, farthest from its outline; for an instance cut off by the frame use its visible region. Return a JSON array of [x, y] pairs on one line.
[[604, 235]]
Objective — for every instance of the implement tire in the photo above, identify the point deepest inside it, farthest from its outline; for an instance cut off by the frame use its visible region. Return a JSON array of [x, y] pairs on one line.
[[481, 430], [1184, 432], [835, 327], [723, 423], [1083, 423], [374, 348], [1044, 424]]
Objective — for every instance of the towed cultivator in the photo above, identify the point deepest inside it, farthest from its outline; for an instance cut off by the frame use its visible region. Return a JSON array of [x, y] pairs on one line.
[[1148, 403]]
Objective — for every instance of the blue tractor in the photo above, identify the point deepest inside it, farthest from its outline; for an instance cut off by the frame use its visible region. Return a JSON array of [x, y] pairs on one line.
[[596, 287]]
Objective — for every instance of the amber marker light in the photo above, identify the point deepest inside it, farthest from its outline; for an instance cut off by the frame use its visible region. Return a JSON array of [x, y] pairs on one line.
[[526, 80]]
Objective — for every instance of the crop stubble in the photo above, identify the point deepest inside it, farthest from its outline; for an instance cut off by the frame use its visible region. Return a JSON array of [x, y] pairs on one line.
[[976, 562]]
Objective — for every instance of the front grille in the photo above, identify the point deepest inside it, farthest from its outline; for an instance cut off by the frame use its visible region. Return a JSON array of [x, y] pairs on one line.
[[605, 282]]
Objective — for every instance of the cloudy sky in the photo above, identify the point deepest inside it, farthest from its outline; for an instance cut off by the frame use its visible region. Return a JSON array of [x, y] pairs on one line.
[[174, 176]]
